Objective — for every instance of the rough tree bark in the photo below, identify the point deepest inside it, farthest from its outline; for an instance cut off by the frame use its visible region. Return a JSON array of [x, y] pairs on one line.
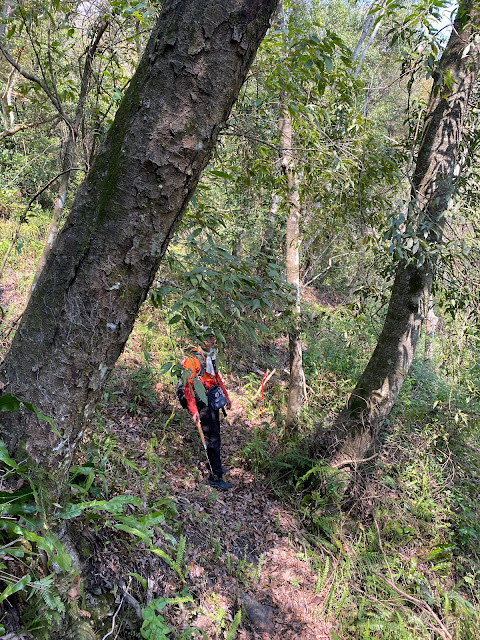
[[123, 216], [356, 428]]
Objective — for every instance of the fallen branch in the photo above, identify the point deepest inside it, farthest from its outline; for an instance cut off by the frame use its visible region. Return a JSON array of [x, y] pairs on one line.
[[354, 461], [425, 607]]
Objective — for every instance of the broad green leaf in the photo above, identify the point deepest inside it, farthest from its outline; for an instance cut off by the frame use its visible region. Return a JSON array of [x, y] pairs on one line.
[[166, 367], [8, 402], [18, 502], [4, 456], [222, 174], [13, 588], [39, 415], [200, 390], [115, 505], [134, 531]]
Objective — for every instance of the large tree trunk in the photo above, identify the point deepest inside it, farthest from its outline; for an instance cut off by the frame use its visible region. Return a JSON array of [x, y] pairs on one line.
[[356, 428], [124, 214]]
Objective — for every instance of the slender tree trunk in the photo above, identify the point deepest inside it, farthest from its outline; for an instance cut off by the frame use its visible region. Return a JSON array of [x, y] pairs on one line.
[[431, 322], [8, 114], [356, 428], [123, 216], [372, 20], [68, 155], [292, 261], [7, 9], [292, 258], [269, 233]]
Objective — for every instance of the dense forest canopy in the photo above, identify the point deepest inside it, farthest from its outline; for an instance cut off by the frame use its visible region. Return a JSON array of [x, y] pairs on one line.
[[302, 177]]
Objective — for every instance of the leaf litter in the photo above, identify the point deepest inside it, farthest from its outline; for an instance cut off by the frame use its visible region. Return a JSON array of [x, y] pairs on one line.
[[244, 550]]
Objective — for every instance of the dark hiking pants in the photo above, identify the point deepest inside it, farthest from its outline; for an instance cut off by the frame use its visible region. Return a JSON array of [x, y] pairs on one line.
[[210, 421]]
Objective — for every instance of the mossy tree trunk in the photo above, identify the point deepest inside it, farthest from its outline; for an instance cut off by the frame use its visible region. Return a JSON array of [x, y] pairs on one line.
[[102, 264], [356, 428]]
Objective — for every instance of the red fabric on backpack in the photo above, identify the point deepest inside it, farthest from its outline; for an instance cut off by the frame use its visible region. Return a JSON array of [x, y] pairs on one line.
[[192, 365]]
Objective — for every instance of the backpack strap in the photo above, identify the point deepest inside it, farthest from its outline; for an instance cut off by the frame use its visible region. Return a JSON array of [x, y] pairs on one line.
[[201, 359]]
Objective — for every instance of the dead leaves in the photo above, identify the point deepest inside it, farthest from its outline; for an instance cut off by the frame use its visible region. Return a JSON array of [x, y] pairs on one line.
[[240, 552]]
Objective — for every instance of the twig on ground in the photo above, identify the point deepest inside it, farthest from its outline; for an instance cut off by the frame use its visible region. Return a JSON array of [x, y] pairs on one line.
[[354, 461], [126, 597]]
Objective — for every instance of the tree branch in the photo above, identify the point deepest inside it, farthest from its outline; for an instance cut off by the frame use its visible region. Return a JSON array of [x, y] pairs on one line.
[[22, 127], [35, 79]]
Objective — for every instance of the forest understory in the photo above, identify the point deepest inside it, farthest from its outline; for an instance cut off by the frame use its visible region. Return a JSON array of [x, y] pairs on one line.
[[268, 559], [302, 177]]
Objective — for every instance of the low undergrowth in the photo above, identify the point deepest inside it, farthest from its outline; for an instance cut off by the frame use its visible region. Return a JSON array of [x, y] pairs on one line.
[[398, 558]]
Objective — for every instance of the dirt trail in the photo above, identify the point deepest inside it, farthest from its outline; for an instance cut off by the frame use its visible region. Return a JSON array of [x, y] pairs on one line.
[[243, 549]]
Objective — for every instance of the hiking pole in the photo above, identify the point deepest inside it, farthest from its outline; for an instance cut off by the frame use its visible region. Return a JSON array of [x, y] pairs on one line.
[[202, 438]]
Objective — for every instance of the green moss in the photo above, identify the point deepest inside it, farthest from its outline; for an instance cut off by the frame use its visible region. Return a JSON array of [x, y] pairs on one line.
[[106, 170]]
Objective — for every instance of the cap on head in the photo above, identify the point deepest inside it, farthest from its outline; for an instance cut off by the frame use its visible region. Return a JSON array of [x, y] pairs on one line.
[[206, 332]]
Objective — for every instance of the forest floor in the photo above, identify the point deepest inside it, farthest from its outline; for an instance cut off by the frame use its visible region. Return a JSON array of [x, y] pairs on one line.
[[244, 549]]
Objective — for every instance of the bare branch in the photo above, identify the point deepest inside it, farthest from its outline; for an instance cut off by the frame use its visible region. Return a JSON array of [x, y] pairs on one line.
[[33, 78]]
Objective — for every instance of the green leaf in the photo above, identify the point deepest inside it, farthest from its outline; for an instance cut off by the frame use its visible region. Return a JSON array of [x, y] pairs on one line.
[[142, 581], [169, 561], [4, 456], [166, 367], [134, 531], [234, 626], [222, 174], [13, 588], [115, 505], [200, 390], [8, 402], [18, 502]]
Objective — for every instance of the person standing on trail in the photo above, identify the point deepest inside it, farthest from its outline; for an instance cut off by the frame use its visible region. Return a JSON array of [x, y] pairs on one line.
[[202, 365]]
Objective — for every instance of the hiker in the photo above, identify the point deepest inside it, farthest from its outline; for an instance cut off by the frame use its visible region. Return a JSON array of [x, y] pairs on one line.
[[202, 364]]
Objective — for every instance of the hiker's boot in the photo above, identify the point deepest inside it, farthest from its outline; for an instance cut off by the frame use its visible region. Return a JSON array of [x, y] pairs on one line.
[[218, 483], [223, 471]]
